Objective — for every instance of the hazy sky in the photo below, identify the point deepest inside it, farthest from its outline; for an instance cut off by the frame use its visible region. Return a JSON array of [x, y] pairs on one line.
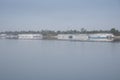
[[59, 14]]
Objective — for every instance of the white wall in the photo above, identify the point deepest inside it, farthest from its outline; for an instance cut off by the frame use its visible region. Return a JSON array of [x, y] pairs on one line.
[[30, 36], [101, 37], [74, 36], [87, 37]]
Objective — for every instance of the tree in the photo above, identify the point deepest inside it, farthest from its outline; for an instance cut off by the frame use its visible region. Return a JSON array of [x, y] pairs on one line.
[[83, 30], [114, 31]]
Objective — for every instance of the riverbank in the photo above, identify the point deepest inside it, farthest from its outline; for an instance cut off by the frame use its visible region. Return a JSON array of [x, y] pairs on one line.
[[117, 38], [97, 37]]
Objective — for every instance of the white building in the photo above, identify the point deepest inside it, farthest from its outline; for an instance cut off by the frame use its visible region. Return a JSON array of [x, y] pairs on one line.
[[11, 36], [30, 36], [3, 36], [101, 37], [81, 37], [65, 36], [87, 37], [72, 37]]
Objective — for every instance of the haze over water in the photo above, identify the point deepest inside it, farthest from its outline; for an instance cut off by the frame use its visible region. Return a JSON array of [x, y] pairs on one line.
[[59, 60], [59, 14]]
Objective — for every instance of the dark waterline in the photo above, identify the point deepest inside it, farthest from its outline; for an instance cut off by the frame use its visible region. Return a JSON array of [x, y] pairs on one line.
[[59, 60]]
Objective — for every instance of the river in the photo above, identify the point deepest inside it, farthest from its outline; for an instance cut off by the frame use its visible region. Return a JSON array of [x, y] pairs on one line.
[[59, 60]]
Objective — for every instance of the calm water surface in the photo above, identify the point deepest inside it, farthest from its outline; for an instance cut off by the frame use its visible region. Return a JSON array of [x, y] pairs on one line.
[[59, 60]]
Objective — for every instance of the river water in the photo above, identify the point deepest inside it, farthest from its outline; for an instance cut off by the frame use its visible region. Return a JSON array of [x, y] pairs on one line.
[[59, 60]]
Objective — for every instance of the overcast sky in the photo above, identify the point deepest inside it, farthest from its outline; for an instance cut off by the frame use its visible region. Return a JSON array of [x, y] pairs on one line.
[[59, 14]]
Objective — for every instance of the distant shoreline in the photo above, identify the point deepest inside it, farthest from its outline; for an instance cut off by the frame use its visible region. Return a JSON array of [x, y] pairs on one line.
[[114, 31], [96, 37]]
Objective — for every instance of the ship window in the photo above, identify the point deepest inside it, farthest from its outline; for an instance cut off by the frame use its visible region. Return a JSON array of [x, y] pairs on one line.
[[70, 37], [109, 37]]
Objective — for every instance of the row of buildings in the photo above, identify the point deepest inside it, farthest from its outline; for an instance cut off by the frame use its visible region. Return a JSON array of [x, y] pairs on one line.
[[87, 37], [22, 36], [74, 37]]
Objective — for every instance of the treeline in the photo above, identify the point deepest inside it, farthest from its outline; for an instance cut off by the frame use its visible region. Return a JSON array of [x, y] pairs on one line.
[[50, 32]]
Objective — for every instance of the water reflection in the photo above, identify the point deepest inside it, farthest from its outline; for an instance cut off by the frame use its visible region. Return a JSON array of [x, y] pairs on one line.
[[59, 60]]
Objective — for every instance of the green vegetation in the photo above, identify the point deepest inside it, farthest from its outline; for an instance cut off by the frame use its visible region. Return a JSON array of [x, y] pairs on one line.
[[50, 32], [115, 31]]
